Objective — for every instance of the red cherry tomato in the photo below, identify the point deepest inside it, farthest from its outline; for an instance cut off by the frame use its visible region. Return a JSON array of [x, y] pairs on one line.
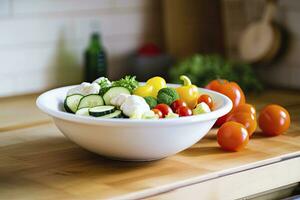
[[274, 120], [177, 103], [158, 112], [232, 136], [206, 99], [184, 111], [164, 108]]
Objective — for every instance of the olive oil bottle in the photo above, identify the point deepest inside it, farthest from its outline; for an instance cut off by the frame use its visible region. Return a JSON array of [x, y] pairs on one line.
[[95, 59]]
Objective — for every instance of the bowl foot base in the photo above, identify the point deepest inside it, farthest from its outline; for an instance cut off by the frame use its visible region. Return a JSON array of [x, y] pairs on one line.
[[132, 160]]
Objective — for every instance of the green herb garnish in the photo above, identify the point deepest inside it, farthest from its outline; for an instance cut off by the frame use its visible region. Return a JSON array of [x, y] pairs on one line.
[[128, 82]]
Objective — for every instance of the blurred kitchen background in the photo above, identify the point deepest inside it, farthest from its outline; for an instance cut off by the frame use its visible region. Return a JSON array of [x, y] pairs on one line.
[[43, 42]]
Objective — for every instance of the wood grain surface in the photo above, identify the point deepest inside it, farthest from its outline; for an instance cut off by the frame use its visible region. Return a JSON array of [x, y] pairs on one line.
[[38, 162], [20, 112]]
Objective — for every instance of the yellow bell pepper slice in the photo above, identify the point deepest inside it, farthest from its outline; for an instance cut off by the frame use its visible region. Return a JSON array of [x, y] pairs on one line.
[[144, 91], [157, 83], [188, 92], [151, 88]]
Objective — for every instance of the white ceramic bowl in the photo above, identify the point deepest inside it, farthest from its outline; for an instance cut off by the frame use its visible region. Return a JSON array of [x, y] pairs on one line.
[[131, 139]]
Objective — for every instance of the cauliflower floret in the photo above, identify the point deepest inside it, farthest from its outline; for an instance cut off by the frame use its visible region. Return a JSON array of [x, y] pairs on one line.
[[85, 89], [171, 115], [149, 115], [103, 82], [119, 99], [135, 106], [201, 108]]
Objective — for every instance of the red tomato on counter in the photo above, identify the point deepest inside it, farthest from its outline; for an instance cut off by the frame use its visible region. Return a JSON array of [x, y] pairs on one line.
[[232, 90], [245, 118], [274, 120], [232, 136], [246, 108]]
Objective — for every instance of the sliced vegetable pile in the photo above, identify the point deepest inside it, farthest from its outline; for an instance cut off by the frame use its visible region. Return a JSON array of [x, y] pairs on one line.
[[125, 98]]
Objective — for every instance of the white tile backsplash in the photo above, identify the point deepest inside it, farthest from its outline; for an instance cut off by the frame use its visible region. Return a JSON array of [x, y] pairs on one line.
[[53, 6], [48, 30], [295, 77], [42, 41], [276, 72], [5, 8], [118, 24], [31, 31], [290, 4], [290, 18], [291, 56], [7, 89], [133, 3]]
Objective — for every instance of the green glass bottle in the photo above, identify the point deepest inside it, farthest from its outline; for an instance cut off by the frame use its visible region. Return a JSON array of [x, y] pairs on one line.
[[95, 59]]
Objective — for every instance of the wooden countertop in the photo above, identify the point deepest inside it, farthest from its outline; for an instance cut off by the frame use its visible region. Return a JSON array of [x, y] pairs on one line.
[[38, 162]]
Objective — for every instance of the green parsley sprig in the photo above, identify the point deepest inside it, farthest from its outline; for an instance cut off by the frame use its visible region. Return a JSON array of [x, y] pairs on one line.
[[128, 82]]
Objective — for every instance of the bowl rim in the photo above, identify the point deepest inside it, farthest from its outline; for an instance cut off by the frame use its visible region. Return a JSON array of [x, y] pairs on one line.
[[56, 113]]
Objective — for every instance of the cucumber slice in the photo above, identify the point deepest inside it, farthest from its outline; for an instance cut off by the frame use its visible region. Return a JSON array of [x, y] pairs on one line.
[[101, 110], [112, 92], [116, 114], [90, 101], [71, 102], [83, 112]]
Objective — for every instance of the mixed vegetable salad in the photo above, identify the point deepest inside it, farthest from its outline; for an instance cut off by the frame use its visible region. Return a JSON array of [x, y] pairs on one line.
[[126, 98]]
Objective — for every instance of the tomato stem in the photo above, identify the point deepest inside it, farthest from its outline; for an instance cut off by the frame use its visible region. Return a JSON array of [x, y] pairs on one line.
[[221, 81]]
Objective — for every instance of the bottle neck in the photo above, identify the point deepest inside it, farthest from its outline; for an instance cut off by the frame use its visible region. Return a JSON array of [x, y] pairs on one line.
[[95, 42]]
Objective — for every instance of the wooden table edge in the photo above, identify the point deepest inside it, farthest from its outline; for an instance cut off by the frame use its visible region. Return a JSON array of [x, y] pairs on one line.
[[152, 192]]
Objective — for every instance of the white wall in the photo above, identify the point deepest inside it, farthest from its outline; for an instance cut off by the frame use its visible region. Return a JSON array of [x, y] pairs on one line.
[[42, 41]]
